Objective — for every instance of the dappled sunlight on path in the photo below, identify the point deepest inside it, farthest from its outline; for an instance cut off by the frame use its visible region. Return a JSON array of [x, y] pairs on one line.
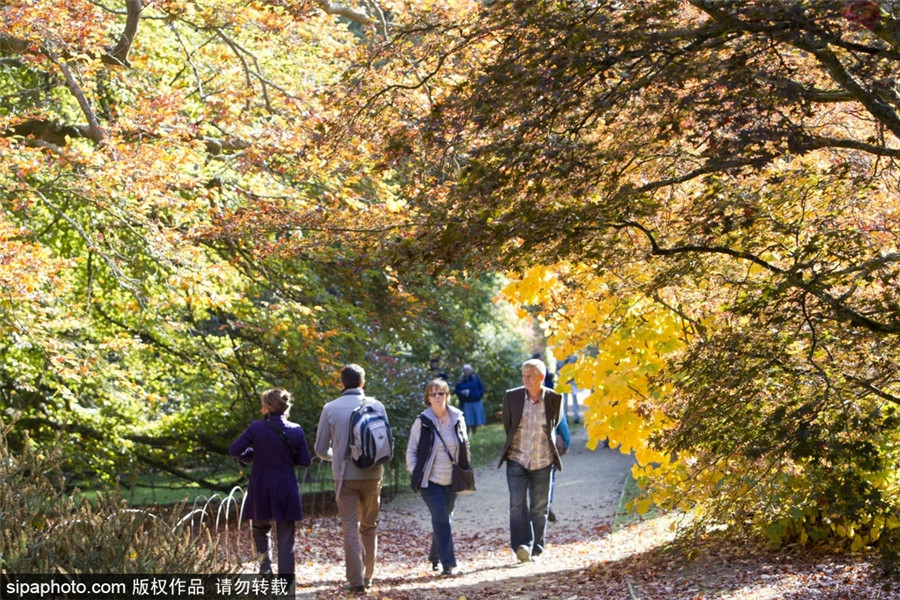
[[583, 559], [586, 498]]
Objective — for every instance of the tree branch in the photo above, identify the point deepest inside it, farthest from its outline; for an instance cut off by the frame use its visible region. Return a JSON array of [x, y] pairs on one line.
[[118, 54], [358, 15], [841, 310], [819, 48], [125, 282], [801, 144], [239, 52], [187, 475], [47, 131], [94, 132], [868, 386], [57, 134], [879, 109]]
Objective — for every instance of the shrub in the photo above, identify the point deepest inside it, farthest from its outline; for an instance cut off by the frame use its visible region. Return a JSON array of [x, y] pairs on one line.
[[46, 530]]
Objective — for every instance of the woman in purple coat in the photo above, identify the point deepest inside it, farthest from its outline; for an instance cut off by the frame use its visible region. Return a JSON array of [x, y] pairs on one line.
[[274, 446]]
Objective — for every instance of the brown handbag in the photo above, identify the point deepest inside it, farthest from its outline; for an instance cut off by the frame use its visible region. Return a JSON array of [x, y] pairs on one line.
[[462, 480]]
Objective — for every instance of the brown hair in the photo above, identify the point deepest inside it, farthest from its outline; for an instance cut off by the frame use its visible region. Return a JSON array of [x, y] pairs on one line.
[[437, 384], [277, 401]]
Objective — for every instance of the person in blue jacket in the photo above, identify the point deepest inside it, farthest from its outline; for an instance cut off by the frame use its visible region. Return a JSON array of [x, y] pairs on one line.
[[470, 391], [274, 446], [563, 441]]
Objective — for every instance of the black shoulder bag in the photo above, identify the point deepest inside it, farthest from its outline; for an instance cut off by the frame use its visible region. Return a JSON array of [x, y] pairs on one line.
[[295, 451]]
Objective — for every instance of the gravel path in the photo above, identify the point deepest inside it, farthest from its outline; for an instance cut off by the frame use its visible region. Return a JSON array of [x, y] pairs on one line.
[[587, 495]]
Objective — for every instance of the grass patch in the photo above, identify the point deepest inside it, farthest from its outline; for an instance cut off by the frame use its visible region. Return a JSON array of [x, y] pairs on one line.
[[625, 517], [158, 488], [486, 444]]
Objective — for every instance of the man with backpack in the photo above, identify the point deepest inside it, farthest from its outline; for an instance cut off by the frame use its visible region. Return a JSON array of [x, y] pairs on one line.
[[353, 430]]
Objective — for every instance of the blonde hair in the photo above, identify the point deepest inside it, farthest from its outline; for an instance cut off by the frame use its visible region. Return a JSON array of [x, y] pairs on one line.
[[437, 384], [277, 401]]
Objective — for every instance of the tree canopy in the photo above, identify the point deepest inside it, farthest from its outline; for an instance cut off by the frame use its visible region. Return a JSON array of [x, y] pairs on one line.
[[702, 200], [699, 198], [185, 220]]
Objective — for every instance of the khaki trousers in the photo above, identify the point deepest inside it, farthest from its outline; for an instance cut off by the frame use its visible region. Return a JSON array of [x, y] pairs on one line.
[[358, 504]]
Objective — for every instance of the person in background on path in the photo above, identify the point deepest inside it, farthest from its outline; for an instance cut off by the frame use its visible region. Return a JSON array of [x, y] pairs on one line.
[[435, 371], [274, 446], [548, 375], [572, 395], [357, 491], [530, 416], [470, 391], [563, 441], [438, 433]]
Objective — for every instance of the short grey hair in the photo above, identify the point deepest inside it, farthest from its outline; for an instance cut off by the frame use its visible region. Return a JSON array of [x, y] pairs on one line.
[[536, 364]]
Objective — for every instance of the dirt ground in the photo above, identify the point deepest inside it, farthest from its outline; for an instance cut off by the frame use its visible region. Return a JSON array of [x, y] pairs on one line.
[[584, 560], [586, 498]]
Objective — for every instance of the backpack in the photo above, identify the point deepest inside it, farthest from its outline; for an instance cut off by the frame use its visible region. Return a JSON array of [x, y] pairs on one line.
[[370, 442]]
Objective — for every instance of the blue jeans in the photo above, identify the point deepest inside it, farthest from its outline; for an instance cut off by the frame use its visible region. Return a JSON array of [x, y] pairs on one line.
[[527, 525], [553, 477], [440, 500]]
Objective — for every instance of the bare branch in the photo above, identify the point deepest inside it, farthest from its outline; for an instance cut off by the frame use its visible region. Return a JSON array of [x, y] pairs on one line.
[[239, 52], [118, 54], [354, 14], [94, 131], [842, 311]]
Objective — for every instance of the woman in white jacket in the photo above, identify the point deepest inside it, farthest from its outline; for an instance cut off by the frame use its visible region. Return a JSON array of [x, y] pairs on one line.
[[437, 439]]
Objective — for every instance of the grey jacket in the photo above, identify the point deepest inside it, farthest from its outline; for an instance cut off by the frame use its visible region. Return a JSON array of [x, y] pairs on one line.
[[333, 431]]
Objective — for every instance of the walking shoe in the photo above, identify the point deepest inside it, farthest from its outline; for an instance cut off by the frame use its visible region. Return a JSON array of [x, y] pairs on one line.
[[356, 589], [434, 565], [523, 554], [367, 583], [551, 516], [447, 572]]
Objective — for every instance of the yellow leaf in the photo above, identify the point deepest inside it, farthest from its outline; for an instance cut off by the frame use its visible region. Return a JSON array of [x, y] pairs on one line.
[[643, 505]]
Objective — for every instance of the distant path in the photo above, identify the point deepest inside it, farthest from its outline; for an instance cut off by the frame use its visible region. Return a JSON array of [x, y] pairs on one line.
[[586, 499]]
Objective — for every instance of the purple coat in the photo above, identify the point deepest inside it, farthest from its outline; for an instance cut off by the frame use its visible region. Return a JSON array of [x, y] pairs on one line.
[[273, 492]]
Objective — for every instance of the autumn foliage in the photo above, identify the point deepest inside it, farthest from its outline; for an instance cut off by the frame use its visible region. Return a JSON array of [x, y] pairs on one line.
[[188, 215], [699, 198]]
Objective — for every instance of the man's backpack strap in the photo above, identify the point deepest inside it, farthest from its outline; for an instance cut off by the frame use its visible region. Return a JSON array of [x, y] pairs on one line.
[[353, 415]]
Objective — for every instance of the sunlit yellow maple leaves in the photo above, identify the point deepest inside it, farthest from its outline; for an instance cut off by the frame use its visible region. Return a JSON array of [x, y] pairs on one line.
[[621, 343]]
